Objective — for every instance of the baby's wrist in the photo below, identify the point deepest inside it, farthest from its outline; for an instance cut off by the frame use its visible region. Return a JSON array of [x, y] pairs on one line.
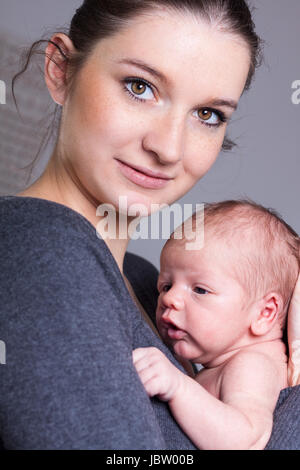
[[179, 387]]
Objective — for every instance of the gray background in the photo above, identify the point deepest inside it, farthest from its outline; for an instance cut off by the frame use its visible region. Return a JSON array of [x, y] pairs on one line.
[[265, 167]]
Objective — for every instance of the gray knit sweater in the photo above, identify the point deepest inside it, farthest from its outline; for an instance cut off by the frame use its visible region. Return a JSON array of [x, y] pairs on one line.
[[69, 326]]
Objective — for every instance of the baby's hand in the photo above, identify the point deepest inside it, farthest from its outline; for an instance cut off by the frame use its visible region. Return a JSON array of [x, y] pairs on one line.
[[158, 375]]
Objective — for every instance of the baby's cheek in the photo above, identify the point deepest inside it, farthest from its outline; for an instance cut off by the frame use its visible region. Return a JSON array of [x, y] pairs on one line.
[[159, 308], [208, 336]]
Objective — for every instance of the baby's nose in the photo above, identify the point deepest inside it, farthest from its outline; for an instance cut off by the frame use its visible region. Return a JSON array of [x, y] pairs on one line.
[[172, 299]]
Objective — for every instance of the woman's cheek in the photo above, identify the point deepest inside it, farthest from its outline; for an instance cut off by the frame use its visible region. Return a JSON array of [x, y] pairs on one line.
[[117, 125], [99, 108], [200, 162], [203, 152]]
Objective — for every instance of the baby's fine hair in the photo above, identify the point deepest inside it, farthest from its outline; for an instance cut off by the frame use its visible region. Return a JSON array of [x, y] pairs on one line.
[[265, 249]]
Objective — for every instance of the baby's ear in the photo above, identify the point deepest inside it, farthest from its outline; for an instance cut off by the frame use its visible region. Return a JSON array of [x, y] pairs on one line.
[[267, 312]]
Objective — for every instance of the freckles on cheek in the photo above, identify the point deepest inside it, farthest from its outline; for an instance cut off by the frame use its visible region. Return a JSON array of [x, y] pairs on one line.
[[102, 107], [92, 104], [203, 151], [112, 122], [200, 162]]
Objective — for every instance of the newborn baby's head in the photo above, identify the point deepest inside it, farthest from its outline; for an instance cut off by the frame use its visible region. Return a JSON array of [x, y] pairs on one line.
[[233, 291]]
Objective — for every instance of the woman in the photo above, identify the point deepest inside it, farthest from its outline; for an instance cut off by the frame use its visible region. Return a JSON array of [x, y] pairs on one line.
[[146, 90]]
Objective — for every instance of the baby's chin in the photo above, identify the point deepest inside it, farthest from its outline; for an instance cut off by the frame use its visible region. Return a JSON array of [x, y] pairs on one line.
[[185, 351], [181, 349], [177, 341]]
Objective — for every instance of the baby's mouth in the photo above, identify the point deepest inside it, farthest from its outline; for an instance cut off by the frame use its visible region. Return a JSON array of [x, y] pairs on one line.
[[175, 333], [172, 330]]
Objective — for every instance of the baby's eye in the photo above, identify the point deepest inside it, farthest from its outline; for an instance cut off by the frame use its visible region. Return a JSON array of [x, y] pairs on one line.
[[200, 291], [165, 287]]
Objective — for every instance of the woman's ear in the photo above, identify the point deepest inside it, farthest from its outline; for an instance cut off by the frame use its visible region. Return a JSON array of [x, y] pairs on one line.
[[267, 311], [59, 49]]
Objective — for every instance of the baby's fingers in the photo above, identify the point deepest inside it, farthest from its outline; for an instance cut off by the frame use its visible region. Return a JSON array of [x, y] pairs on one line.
[[152, 385], [150, 379], [138, 354], [146, 356]]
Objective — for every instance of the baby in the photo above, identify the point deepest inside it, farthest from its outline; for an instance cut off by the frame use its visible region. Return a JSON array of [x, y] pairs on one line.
[[224, 307]]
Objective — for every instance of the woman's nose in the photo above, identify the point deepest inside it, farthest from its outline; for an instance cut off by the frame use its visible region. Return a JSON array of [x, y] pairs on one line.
[[166, 139]]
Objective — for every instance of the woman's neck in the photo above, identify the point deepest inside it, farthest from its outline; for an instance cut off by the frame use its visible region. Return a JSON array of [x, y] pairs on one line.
[[60, 187]]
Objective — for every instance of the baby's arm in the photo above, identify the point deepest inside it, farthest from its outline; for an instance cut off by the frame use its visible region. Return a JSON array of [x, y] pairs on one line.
[[241, 419]]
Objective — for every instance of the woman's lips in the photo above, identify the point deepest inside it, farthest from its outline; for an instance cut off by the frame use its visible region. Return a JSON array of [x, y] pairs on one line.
[[141, 179]]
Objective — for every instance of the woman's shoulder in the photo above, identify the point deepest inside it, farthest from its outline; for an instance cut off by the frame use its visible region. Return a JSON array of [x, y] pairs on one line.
[[41, 215], [48, 248], [37, 231]]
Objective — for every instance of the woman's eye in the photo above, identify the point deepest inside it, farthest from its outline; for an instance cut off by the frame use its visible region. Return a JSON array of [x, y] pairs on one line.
[[200, 290], [138, 89], [210, 117]]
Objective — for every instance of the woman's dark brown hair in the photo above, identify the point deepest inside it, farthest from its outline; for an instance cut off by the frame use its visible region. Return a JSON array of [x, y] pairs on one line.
[[99, 19]]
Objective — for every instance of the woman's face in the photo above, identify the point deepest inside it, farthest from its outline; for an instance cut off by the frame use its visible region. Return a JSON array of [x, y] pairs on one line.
[[123, 121]]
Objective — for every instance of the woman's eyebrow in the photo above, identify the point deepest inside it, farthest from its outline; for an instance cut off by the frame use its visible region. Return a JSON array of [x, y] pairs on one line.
[[142, 65], [139, 63], [223, 102]]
